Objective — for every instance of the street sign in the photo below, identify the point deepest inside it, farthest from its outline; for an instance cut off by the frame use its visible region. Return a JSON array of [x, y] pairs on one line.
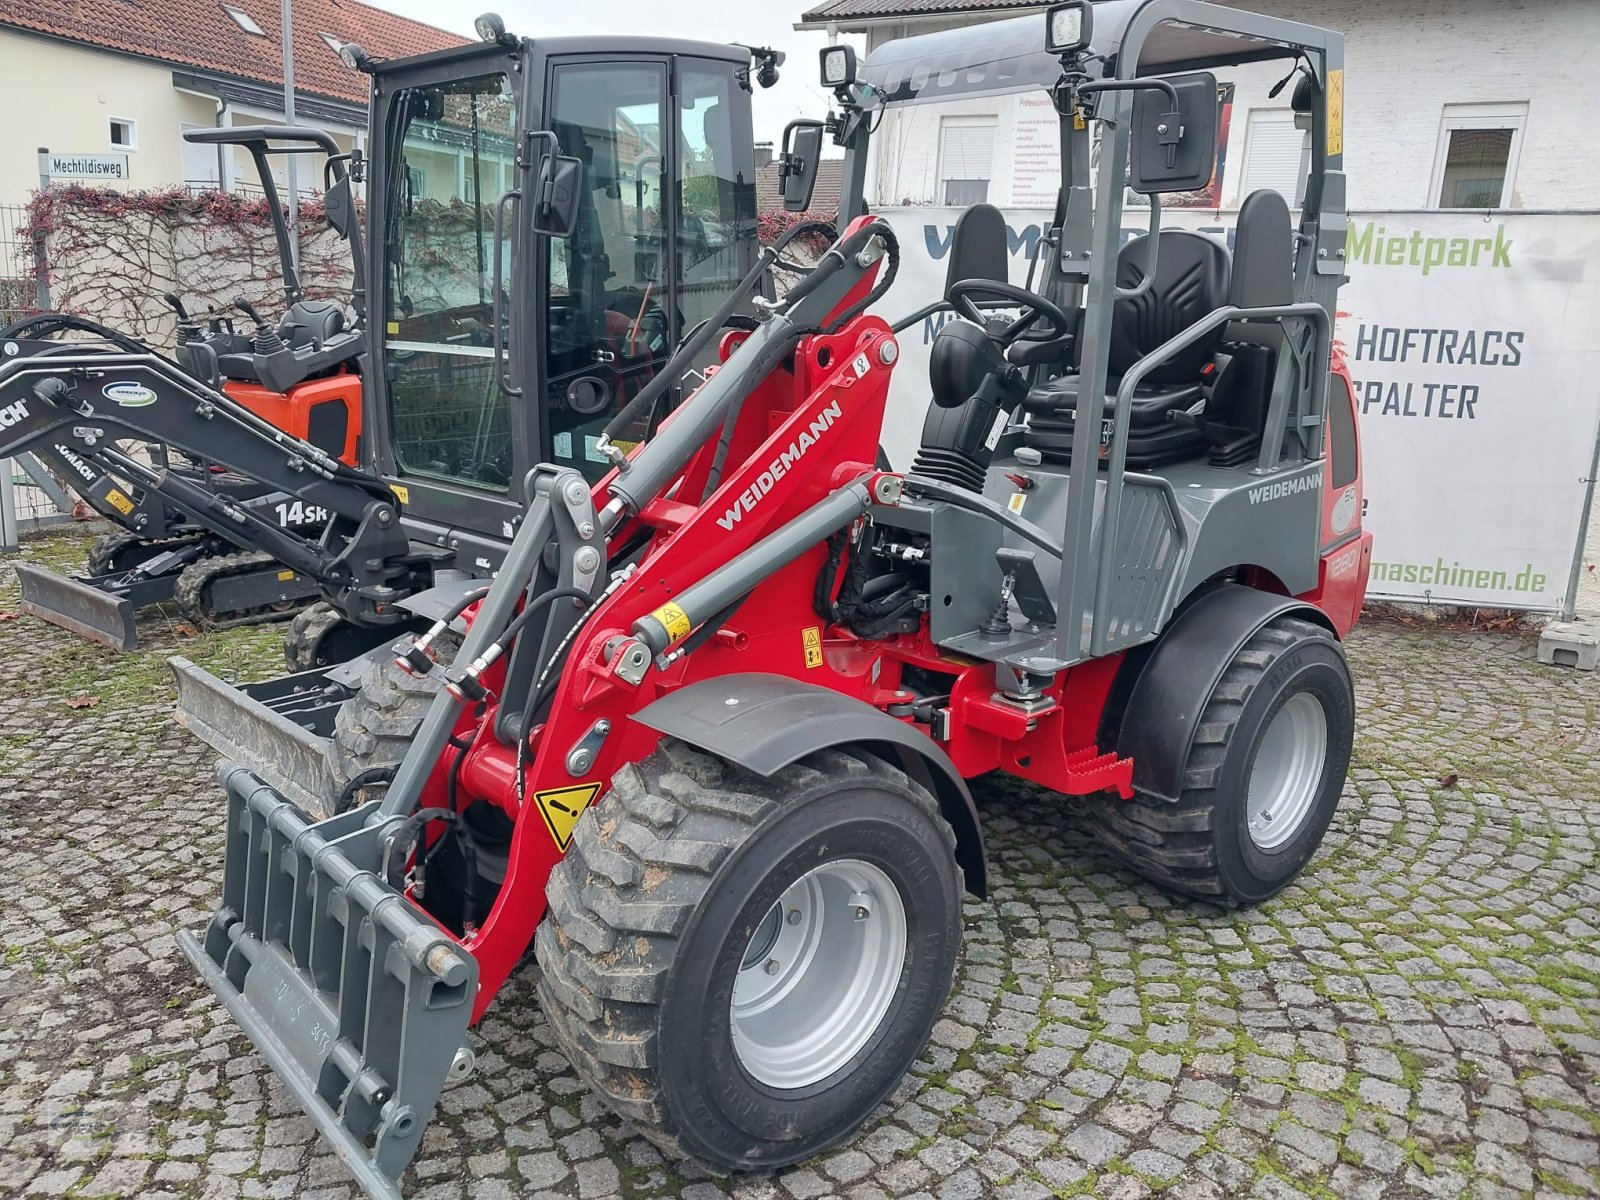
[[53, 165]]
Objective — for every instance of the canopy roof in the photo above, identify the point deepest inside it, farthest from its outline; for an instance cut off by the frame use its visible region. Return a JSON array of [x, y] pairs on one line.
[[1010, 56]]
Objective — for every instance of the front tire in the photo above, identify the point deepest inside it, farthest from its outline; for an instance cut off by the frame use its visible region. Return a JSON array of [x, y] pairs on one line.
[[374, 728], [745, 967], [1263, 777]]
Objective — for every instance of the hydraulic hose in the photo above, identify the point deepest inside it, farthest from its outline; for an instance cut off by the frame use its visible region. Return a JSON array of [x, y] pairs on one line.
[[689, 350]]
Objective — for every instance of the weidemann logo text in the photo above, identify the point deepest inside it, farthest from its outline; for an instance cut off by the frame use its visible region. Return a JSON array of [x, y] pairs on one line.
[[1288, 487], [779, 467]]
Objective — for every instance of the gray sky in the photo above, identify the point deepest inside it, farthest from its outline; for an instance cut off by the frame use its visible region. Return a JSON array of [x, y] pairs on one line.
[[754, 22]]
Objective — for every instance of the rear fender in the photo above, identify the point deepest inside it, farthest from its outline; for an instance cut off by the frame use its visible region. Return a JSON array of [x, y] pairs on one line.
[[1180, 673], [765, 722]]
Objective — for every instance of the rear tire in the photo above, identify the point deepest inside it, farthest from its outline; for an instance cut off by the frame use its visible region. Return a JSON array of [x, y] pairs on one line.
[[678, 983], [375, 727], [1263, 777]]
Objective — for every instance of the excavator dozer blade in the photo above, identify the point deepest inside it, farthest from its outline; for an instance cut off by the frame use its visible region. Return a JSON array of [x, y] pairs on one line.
[[78, 606], [357, 999], [290, 757]]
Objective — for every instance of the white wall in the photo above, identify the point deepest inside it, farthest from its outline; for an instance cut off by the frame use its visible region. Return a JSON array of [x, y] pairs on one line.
[[63, 96], [1404, 63]]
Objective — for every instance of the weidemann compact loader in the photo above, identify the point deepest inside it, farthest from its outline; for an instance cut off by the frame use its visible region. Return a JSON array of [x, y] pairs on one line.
[[705, 745]]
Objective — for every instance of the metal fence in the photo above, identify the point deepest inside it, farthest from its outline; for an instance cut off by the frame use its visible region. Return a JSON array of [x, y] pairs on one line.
[[30, 497], [19, 294]]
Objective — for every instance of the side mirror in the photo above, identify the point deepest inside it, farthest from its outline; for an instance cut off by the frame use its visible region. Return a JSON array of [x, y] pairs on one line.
[[340, 208], [1175, 149], [557, 195], [797, 166]]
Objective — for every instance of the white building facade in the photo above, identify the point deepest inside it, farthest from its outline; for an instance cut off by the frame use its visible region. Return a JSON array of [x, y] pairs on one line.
[[1449, 104]]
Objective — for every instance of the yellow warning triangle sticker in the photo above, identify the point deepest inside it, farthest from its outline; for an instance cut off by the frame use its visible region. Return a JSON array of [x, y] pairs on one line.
[[561, 808]]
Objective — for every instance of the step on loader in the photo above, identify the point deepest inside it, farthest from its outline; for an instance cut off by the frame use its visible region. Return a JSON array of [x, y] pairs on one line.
[[705, 743]]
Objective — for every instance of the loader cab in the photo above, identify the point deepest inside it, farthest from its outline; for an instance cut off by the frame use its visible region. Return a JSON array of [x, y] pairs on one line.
[[498, 346]]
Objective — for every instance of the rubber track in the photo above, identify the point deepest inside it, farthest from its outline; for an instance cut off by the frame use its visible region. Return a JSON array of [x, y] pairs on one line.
[[636, 871], [197, 577], [1173, 844], [103, 555], [306, 631]]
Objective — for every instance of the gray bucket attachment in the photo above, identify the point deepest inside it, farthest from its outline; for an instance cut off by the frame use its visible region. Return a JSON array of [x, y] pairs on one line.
[[357, 999], [85, 610], [241, 728]]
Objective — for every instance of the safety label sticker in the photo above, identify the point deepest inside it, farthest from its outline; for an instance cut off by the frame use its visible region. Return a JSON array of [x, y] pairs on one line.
[[561, 808], [811, 639], [674, 620]]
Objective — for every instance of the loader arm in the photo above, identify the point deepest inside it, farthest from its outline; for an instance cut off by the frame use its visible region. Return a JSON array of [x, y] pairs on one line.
[[99, 401]]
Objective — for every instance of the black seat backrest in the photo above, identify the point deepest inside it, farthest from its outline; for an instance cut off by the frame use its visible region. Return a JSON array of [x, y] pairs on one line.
[[978, 248], [1263, 252], [1191, 281]]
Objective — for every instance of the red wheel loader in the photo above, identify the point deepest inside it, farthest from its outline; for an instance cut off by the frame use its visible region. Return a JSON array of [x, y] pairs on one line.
[[705, 744]]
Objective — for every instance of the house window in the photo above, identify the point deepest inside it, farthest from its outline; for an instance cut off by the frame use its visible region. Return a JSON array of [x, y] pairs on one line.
[[124, 134], [966, 159], [332, 42], [1476, 165], [1277, 155], [244, 21]]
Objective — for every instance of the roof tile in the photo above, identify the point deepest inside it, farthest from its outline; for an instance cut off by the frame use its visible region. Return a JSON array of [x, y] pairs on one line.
[[841, 10], [198, 33]]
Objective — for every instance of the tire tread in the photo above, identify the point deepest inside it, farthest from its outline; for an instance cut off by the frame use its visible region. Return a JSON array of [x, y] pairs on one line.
[[611, 934]]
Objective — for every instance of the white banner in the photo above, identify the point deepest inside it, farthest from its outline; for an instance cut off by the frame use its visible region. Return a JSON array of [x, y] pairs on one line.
[[1475, 348]]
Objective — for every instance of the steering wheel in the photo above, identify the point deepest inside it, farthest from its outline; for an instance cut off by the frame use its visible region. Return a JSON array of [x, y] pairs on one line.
[[1035, 307]]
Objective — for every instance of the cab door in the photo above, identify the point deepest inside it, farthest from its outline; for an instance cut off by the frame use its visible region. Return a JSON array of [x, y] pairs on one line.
[[667, 226], [447, 428]]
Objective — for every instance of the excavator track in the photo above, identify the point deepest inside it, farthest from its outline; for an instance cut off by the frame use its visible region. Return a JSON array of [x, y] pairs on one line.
[[321, 636], [224, 590], [117, 553]]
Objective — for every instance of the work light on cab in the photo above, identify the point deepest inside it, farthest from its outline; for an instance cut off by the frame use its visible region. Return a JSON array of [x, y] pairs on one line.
[[1067, 27], [490, 28], [838, 66]]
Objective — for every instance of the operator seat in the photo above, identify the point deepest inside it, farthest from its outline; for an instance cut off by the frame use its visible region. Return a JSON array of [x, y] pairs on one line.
[[1192, 276], [1240, 392], [978, 247]]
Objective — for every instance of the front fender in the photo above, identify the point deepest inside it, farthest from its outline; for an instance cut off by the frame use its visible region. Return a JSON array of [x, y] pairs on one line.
[[765, 722]]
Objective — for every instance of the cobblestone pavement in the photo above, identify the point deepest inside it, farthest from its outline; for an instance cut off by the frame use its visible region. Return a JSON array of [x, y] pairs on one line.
[[1418, 1016]]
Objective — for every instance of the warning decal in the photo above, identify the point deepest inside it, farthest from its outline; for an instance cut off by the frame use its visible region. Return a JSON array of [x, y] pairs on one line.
[[811, 638], [119, 502], [1336, 111], [561, 808], [674, 620]]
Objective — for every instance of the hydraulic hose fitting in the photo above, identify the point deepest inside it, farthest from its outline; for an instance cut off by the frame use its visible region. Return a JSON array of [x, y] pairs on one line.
[[419, 658], [416, 661], [466, 687]]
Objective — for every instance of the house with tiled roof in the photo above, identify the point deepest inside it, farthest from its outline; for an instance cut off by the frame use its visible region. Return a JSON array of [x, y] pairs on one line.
[[115, 77]]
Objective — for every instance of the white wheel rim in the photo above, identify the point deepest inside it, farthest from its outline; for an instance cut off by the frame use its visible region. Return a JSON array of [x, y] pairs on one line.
[[819, 974], [1287, 772]]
